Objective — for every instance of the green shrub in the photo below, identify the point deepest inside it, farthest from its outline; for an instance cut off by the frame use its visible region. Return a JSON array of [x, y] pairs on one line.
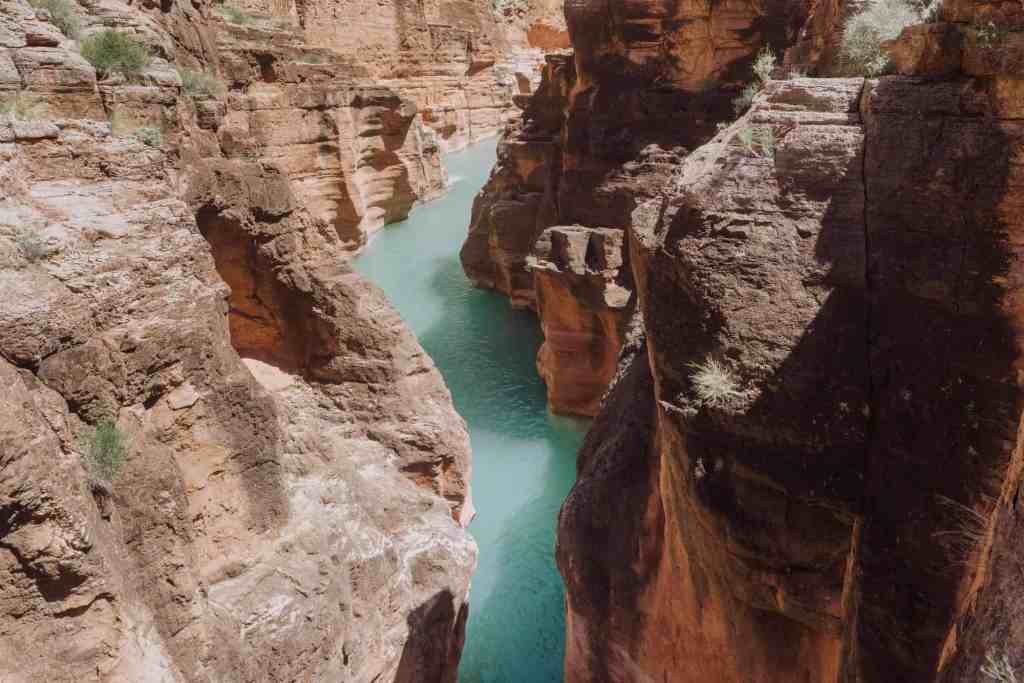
[[150, 136], [714, 383], [32, 246], [123, 125], [234, 15], [766, 141], [113, 51], [865, 32], [23, 107], [312, 58], [62, 14], [746, 137], [200, 84], [105, 451]]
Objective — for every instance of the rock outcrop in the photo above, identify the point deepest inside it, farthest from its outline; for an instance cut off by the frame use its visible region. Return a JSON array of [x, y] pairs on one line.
[[296, 481], [823, 471], [579, 277], [606, 130]]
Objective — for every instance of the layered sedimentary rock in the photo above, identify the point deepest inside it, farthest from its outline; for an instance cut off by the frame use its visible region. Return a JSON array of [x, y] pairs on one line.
[[605, 131], [460, 62], [578, 275], [292, 501], [824, 473]]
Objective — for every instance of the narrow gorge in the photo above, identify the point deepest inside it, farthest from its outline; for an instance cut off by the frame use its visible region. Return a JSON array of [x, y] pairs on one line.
[[511, 341]]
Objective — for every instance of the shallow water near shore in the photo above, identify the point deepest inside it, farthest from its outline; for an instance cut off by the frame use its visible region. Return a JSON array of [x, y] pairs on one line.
[[523, 456]]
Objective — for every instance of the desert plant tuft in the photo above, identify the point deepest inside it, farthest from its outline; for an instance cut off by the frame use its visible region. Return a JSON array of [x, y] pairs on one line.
[[865, 32], [766, 141], [234, 15], [764, 65], [997, 668], [113, 51], [62, 14], [746, 137], [714, 383], [105, 451], [200, 84], [32, 246], [990, 35], [149, 136], [23, 107]]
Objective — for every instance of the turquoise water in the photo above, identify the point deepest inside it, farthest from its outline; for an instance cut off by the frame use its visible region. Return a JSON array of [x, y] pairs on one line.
[[523, 457]]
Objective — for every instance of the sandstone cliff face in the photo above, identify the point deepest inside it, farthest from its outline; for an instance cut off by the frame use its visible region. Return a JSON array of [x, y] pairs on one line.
[[460, 62], [296, 481], [838, 500], [605, 130]]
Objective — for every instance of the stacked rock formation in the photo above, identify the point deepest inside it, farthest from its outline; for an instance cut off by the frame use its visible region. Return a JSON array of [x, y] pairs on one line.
[[808, 465]]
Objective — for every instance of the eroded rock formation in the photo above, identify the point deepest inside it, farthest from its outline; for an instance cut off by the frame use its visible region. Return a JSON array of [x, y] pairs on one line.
[[296, 481], [823, 476], [605, 130]]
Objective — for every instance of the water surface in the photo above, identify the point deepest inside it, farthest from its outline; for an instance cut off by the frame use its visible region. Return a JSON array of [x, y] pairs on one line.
[[523, 457]]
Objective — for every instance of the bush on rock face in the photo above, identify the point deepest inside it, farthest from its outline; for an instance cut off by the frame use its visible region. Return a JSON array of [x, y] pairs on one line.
[[22, 107], [865, 32], [200, 84], [105, 451], [113, 51], [62, 14]]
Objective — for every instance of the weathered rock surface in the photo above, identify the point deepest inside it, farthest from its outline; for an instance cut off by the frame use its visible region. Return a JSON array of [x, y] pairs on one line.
[[460, 61], [267, 524], [838, 501], [297, 481], [604, 132]]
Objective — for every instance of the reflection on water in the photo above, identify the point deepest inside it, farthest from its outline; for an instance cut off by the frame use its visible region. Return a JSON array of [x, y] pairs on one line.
[[523, 457]]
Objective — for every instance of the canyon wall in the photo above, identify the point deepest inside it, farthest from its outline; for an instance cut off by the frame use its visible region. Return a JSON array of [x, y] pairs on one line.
[[295, 486], [808, 465], [606, 129]]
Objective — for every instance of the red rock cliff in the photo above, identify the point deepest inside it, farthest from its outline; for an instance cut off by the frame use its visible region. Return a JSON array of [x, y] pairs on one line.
[[606, 129], [296, 481], [822, 473]]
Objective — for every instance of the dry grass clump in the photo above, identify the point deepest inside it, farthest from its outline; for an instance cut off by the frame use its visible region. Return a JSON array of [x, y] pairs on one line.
[[997, 668], [23, 107], [714, 382]]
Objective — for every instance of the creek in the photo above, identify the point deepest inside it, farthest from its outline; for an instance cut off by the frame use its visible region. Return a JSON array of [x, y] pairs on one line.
[[523, 456]]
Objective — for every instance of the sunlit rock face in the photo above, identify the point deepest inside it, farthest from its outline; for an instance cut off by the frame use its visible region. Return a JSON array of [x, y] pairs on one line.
[[295, 486]]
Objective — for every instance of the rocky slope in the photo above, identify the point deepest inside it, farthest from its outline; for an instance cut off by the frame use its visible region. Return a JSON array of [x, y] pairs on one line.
[[819, 446], [296, 481]]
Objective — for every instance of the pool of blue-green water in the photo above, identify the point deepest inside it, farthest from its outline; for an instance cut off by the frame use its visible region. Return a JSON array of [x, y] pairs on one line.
[[523, 456]]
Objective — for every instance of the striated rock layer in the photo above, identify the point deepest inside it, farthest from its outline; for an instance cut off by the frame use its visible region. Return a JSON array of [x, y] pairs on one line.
[[822, 472], [296, 481]]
